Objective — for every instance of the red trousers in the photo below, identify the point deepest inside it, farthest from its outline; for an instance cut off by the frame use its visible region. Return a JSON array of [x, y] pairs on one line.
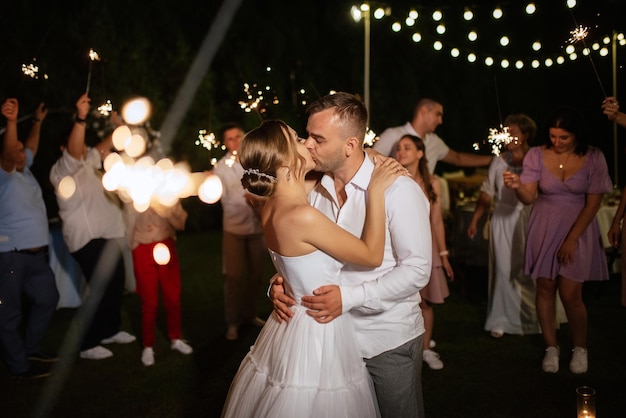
[[149, 276]]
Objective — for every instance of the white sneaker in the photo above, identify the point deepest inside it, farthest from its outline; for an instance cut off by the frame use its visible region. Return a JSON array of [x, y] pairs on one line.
[[432, 359], [121, 337], [147, 356], [232, 333], [96, 353], [181, 346], [550, 363], [578, 364], [432, 344]]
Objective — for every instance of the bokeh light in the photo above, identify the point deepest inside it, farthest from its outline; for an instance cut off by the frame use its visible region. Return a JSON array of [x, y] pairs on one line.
[[161, 254]]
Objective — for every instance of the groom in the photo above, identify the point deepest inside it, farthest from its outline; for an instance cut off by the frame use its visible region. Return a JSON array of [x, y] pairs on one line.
[[384, 302]]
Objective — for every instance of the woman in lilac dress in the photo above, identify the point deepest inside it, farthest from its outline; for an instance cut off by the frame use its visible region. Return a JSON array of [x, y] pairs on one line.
[[564, 179]]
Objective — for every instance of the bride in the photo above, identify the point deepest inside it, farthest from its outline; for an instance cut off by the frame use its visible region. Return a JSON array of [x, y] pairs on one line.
[[303, 368]]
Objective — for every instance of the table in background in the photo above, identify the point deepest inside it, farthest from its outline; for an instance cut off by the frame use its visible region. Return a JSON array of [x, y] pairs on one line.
[[464, 187]]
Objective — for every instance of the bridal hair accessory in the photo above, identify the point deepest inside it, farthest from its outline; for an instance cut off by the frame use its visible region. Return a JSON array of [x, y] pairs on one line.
[[259, 174]]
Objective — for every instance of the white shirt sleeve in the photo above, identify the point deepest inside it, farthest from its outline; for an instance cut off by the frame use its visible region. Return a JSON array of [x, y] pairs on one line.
[[408, 250]]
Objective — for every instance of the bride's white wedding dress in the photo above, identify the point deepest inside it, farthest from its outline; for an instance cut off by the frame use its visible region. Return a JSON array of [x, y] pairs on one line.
[[302, 368]]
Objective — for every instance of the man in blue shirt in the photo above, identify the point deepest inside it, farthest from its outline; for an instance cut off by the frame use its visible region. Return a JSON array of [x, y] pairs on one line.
[[24, 270]]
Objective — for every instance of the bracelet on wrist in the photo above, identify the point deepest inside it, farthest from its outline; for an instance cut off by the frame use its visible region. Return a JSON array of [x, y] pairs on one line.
[[36, 120], [442, 253], [80, 120]]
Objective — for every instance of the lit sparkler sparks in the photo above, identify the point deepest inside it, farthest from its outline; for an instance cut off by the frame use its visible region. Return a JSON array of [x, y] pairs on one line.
[[208, 141], [498, 139], [370, 137], [251, 103], [93, 56], [30, 70], [106, 108], [257, 98], [578, 34]]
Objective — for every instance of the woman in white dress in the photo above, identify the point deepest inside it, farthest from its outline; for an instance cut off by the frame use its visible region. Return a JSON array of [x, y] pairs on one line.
[[302, 368], [511, 297]]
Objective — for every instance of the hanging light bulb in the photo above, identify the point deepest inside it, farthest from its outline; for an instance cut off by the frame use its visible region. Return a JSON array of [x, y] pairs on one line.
[[468, 14]]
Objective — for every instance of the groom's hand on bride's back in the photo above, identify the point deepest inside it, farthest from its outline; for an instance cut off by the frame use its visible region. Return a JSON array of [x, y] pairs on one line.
[[280, 300], [325, 304]]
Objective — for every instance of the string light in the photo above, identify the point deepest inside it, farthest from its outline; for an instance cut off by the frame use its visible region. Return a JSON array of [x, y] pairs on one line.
[[467, 14], [519, 63]]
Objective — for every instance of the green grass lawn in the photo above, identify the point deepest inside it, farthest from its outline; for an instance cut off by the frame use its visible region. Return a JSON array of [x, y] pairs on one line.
[[483, 377]]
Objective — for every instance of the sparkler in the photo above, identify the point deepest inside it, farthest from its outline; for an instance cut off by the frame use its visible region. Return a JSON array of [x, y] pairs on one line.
[[93, 56], [578, 35], [31, 70], [106, 108], [256, 99], [370, 137], [499, 138], [208, 141]]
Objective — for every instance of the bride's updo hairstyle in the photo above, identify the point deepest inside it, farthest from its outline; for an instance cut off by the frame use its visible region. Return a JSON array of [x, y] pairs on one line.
[[262, 152]]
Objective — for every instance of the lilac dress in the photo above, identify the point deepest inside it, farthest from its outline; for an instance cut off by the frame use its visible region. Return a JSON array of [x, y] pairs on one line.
[[554, 213]]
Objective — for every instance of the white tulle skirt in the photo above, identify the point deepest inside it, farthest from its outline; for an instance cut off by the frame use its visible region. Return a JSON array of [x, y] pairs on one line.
[[303, 369]]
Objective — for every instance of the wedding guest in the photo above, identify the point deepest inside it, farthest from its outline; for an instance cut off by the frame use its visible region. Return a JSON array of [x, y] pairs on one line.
[[616, 234], [565, 180], [427, 116], [410, 152], [157, 226], [511, 293], [94, 230], [243, 246], [28, 293]]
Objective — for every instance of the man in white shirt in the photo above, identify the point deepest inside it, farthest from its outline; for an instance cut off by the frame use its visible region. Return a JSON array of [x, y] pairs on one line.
[[384, 302], [427, 116], [243, 245], [94, 231]]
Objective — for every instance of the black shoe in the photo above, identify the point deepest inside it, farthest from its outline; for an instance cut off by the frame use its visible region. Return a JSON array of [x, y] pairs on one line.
[[35, 371], [43, 357]]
